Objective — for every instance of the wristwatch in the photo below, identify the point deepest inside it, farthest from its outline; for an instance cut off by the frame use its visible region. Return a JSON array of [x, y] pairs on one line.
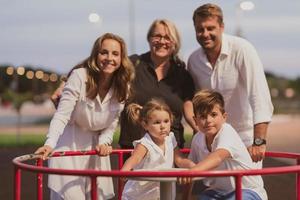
[[259, 141]]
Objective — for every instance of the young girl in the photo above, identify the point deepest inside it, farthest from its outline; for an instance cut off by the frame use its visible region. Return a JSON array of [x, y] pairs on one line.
[[218, 146], [156, 150]]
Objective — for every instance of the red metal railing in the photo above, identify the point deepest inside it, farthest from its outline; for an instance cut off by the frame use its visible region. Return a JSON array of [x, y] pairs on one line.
[[93, 174]]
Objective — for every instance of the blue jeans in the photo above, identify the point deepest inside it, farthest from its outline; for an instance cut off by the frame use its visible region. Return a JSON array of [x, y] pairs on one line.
[[217, 195]]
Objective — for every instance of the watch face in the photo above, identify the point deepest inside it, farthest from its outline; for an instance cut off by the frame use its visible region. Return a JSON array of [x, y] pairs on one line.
[[259, 141]]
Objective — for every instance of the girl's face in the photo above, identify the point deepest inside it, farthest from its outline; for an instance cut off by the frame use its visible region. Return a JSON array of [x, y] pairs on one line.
[[158, 125], [212, 123], [109, 56], [161, 44]]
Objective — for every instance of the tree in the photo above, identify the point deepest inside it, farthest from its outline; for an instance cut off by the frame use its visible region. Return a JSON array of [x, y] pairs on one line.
[[17, 100]]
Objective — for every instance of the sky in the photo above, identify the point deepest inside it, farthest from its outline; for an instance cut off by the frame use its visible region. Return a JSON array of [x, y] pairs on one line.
[[57, 34]]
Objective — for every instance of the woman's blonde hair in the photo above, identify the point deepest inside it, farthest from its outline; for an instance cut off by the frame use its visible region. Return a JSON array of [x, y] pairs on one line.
[[139, 114], [122, 77], [174, 34]]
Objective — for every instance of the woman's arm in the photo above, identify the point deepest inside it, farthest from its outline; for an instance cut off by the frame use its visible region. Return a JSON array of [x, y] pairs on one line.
[[136, 157], [57, 94]]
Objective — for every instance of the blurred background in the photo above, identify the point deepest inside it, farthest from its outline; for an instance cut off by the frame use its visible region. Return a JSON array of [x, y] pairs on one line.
[[42, 40]]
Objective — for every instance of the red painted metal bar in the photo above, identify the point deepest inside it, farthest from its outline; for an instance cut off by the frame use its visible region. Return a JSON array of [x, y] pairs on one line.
[[238, 187], [298, 182], [116, 173], [120, 182], [17, 183], [94, 190], [39, 163]]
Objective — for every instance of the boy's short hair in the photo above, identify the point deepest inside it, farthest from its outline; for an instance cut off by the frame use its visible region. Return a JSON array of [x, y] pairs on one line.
[[205, 100], [209, 10]]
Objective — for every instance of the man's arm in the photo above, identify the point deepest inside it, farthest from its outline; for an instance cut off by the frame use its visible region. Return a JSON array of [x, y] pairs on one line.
[[188, 113], [258, 152]]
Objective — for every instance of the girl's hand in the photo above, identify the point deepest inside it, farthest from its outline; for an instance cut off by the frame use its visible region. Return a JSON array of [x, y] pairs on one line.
[[44, 151], [104, 149]]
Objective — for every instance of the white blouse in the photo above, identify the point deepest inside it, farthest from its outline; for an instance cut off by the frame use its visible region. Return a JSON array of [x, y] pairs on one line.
[[239, 76], [154, 159], [80, 124]]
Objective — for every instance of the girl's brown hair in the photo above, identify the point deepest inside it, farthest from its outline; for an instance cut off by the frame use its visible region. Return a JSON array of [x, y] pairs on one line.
[[139, 114]]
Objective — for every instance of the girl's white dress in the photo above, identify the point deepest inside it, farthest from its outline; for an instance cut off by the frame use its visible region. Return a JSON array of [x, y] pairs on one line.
[[80, 124], [154, 159]]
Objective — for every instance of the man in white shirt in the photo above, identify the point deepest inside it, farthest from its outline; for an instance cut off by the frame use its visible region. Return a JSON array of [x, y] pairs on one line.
[[231, 66]]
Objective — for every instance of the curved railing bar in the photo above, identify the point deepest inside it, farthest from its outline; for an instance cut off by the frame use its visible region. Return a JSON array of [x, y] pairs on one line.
[[266, 171], [238, 174]]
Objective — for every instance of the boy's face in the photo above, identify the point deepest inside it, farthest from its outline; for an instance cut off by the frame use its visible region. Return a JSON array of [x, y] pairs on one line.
[[211, 123]]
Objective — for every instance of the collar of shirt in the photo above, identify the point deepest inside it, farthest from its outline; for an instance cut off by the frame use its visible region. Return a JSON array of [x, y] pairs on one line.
[[152, 143], [150, 66], [225, 51], [107, 97]]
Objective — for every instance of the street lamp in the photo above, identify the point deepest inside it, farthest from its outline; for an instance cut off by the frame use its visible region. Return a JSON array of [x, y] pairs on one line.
[[241, 7], [131, 10]]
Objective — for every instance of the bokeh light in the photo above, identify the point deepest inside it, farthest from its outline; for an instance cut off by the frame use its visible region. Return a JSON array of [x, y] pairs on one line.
[[247, 5], [94, 18], [20, 70]]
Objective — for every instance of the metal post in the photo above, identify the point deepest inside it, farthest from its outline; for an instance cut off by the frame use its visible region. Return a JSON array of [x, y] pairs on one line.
[[238, 187], [39, 163], [298, 182], [17, 184], [94, 188], [120, 182]]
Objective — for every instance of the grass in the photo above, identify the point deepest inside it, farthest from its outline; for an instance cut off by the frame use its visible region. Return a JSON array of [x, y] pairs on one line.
[[11, 140]]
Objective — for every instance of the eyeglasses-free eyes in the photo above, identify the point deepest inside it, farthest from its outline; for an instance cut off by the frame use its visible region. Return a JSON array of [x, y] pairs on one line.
[[158, 38]]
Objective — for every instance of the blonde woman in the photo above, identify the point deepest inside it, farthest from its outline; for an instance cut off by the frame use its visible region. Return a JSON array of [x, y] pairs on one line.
[[87, 116], [159, 73]]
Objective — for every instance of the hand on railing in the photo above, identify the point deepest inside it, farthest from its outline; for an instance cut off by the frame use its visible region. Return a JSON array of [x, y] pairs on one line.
[[44, 152], [103, 149]]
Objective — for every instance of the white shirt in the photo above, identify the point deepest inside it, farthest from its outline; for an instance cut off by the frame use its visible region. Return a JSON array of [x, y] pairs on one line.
[[239, 76], [228, 139], [80, 124], [155, 158]]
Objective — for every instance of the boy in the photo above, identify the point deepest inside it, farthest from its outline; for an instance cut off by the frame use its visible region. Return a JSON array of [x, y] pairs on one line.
[[218, 146]]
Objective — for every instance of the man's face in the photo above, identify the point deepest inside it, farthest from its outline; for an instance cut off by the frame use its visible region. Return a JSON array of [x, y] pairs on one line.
[[209, 33]]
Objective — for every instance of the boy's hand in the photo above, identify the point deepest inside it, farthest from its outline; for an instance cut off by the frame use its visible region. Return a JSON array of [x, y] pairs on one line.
[[184, 180]]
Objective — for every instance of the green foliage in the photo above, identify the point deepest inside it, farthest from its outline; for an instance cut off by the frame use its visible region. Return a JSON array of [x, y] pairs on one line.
[[17, 99], [10, 140]]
